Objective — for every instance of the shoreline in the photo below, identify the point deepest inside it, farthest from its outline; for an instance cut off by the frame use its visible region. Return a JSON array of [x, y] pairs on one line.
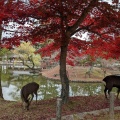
[[76, 74], [76, 81]]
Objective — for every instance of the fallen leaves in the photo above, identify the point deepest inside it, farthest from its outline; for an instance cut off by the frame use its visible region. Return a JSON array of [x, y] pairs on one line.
[[46, 109]]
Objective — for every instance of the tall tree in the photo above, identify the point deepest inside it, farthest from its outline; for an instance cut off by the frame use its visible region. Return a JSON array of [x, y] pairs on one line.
[[65, 21], [1, 94]]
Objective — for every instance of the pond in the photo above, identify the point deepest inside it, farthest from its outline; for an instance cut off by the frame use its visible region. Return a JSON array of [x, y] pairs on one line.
[[12, 82]]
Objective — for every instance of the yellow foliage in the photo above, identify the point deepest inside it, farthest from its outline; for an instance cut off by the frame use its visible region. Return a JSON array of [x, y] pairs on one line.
[[26, 51]]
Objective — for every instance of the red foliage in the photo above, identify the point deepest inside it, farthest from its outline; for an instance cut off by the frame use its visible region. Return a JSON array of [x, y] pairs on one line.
[[53, 19], [109, 49], [114, 49], [48, 49]]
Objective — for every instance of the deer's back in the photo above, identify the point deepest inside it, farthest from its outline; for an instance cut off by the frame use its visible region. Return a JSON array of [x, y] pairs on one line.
[[28, 89], [112, 79]]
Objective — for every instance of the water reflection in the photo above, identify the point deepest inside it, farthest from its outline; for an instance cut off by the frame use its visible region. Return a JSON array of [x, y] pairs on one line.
[[12, 82], [85, 89], [11, 93]]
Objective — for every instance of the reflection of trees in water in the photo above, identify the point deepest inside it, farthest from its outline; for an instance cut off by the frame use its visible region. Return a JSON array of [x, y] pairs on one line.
[[19, 82], [86, 88], [6, 75], [49, 89], [14, 94]]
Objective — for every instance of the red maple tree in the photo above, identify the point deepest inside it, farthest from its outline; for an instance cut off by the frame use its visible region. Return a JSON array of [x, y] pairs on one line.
[[64, 21]]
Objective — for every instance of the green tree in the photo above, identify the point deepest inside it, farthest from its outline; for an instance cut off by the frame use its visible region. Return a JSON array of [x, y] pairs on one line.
[[26, 53]]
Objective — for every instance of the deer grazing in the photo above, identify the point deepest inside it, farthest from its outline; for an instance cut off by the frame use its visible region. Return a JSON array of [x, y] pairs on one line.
[[110, 82], [26, 91]]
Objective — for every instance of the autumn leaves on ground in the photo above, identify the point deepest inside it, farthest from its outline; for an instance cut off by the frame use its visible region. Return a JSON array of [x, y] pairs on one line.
[[46, 109]]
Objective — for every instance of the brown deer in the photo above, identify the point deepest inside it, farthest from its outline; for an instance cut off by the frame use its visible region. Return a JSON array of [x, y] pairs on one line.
[[110, 82], [29, 89]]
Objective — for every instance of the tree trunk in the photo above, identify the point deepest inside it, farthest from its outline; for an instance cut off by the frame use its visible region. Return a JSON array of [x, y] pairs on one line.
[[63, 75], [1, 95]]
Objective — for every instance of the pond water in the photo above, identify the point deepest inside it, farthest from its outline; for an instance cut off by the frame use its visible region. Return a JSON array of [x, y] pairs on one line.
[[12, 82]]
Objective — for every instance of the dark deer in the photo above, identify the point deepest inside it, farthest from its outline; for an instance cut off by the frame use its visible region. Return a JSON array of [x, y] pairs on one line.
[[110, 82], [29, 89]]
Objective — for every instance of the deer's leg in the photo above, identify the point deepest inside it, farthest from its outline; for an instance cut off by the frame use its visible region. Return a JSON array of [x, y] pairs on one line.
[[27, 105], [105, 92], [31, 98], [118, 91], [29, 101], [36, 96], [109, 90]]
